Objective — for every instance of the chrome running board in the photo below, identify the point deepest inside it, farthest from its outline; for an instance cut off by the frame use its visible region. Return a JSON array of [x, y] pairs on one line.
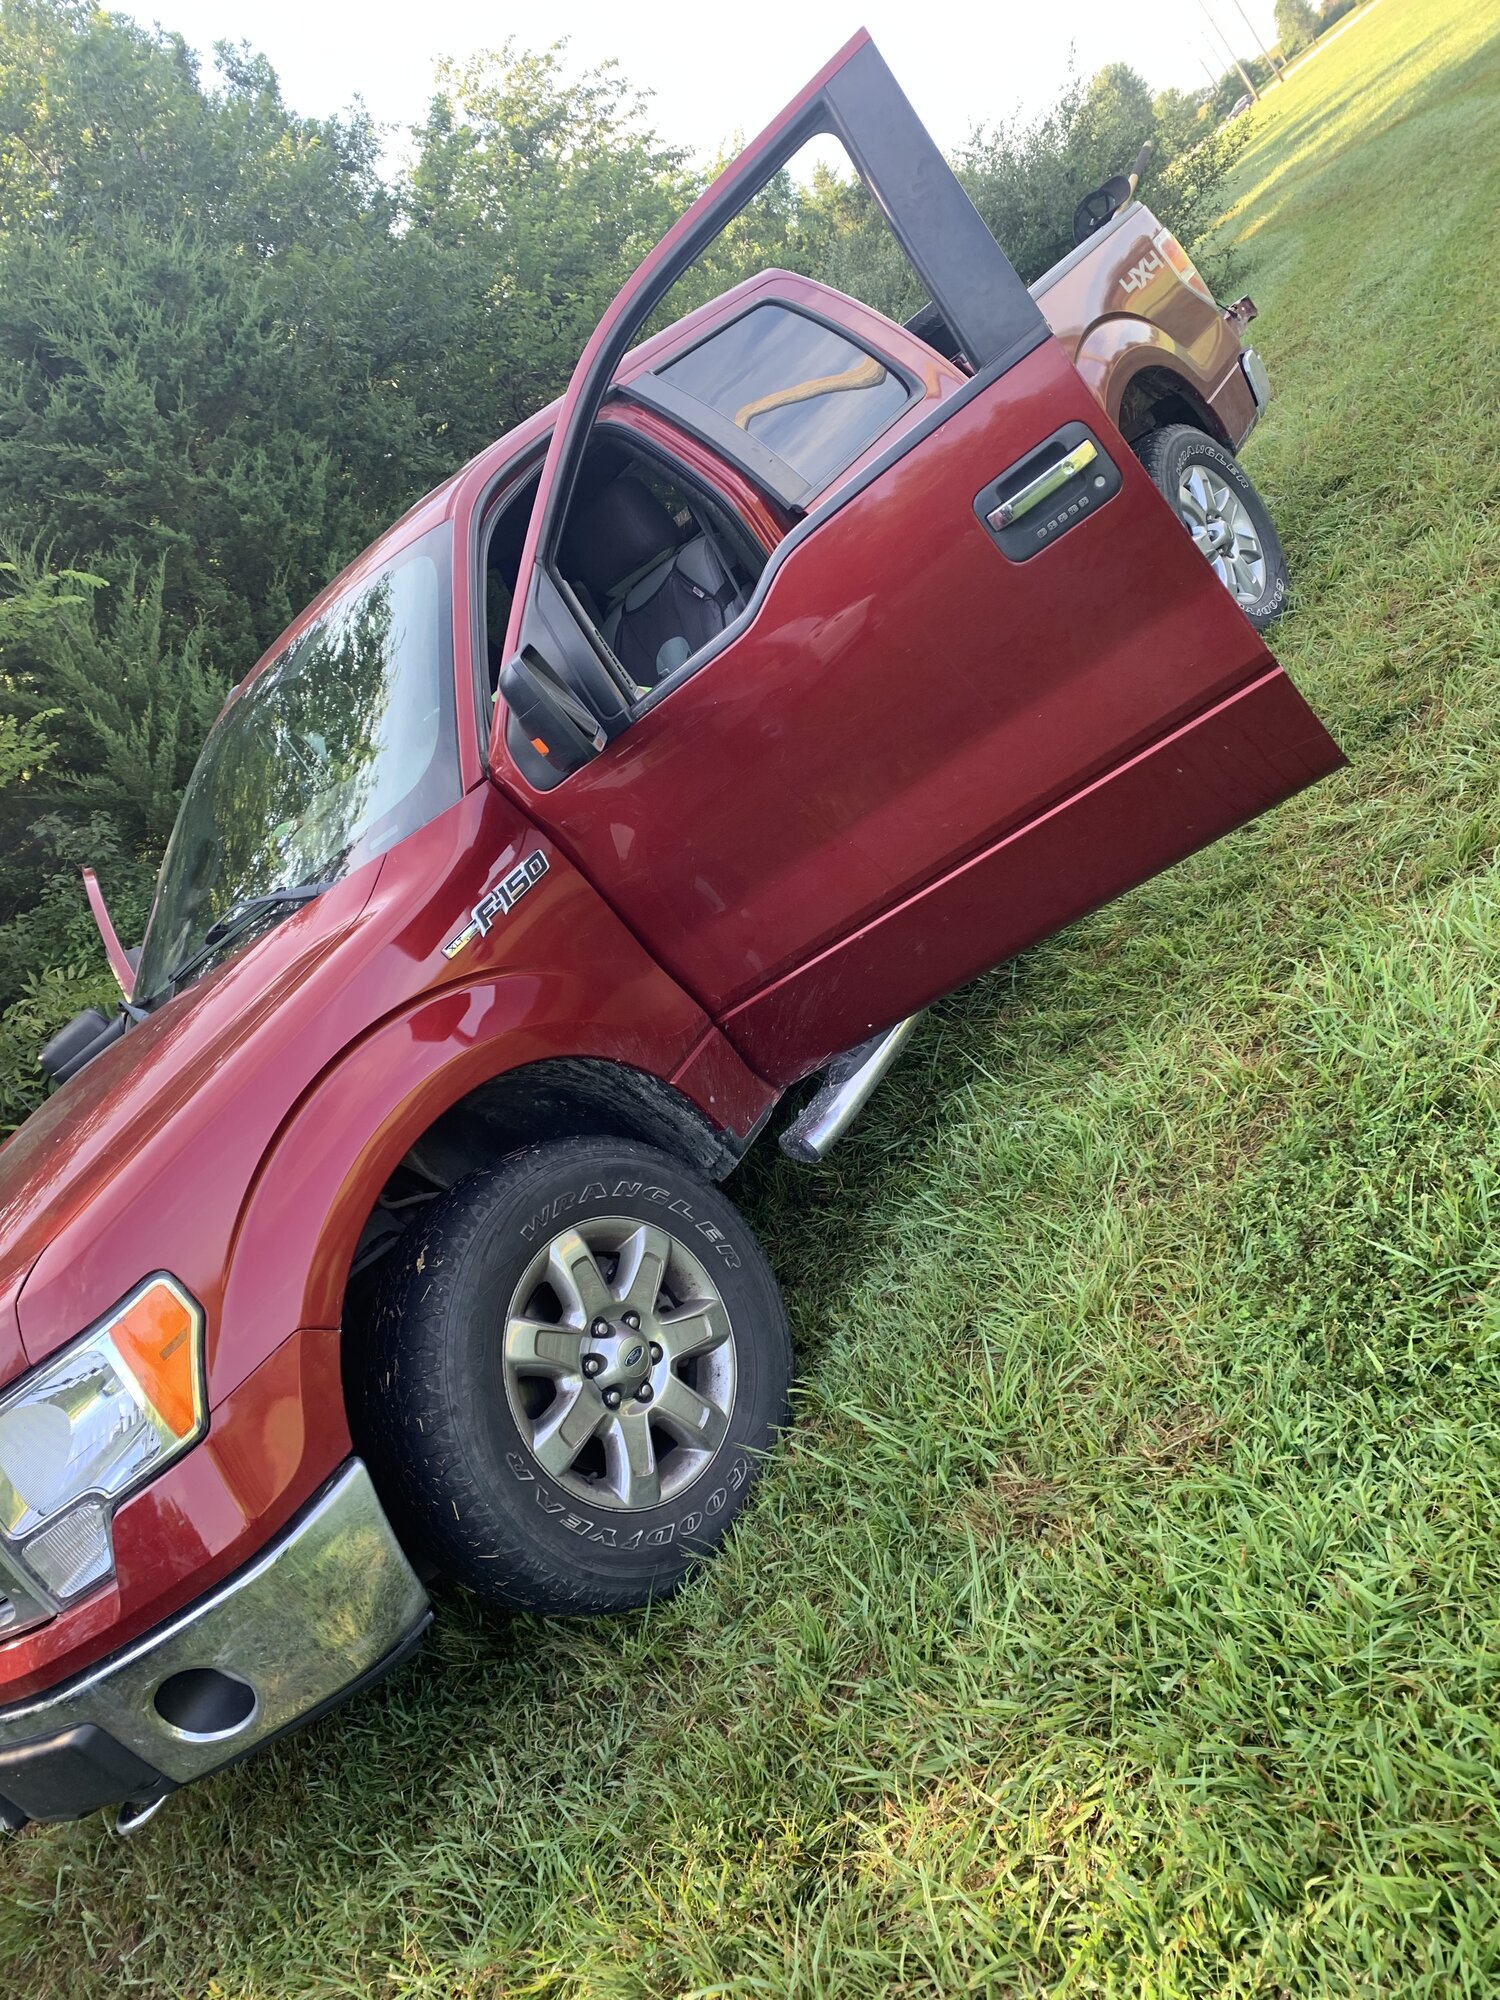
[[847, 1084]]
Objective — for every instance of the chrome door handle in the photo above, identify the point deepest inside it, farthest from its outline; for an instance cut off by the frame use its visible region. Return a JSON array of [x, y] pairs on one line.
[[1044, 485]]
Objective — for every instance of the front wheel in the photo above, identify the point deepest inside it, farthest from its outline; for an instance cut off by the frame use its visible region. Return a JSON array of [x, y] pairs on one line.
[[1213, 496], [579, 1358]]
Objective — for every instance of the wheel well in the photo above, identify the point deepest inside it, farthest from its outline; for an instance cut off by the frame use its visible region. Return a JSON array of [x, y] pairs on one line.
[[1156, 397], [561, 1099]]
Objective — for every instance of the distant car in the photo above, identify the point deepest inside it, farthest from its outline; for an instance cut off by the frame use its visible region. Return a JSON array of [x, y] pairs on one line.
[[1240, 104]]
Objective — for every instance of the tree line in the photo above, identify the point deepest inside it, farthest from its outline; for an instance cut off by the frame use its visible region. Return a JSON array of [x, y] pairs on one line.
[[233, 348]]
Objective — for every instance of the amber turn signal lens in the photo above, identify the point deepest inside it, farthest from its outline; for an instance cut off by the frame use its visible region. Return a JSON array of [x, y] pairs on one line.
[[154, 1338]]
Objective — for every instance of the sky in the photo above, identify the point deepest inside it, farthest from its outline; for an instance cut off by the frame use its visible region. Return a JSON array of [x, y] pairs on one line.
[[720, 71]]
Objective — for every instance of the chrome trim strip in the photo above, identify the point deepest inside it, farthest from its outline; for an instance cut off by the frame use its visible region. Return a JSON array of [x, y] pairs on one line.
[[844, 1095], [319, 1608]]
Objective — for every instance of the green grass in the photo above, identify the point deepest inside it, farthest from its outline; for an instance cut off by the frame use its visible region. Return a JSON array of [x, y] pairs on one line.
[[1124, 1615]]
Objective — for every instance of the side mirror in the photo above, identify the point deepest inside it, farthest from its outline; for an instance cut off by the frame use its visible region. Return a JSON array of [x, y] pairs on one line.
[[87, 1035], [550, 731], [1101, 203], [1098, 206]]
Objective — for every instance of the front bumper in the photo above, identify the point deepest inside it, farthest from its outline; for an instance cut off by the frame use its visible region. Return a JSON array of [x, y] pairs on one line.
[[326, 1608]]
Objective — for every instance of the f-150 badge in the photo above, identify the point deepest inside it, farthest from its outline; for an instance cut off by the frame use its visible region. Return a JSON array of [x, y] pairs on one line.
[[498, 900]]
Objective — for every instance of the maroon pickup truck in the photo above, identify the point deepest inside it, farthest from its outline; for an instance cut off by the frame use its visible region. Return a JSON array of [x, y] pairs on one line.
[[788, 673]]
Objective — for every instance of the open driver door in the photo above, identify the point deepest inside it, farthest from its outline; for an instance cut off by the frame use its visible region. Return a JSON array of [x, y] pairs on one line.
[[983, 686]]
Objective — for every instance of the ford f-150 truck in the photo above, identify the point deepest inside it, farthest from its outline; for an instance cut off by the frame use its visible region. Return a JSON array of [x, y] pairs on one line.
[[789, 672]]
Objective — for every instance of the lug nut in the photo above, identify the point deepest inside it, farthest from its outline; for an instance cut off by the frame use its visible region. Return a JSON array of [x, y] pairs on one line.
[[656, 1350], [632, 1320], [600, 1329], [592, 1364], [611, 1399], [644, 1393]]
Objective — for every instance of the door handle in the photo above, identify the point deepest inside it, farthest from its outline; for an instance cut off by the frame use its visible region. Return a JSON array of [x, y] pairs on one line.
[[1044, 485], [1060, 483]]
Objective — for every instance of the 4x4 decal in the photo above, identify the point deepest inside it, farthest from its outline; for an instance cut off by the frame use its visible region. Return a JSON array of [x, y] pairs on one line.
[[498, 901], [1140, 274]]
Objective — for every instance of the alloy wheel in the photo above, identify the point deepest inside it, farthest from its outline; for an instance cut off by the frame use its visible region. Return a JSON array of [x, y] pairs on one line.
[[1222, 527], [619, 1363]]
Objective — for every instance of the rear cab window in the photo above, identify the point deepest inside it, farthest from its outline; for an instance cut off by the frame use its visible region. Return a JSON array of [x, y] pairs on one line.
[[795, 386]]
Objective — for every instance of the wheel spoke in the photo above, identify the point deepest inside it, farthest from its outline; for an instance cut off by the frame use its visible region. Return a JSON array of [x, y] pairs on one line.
[[576, 1278], [1221, 571], [1192, 514], [534, 1347], [643, 1265], [1247, 584], [1236, 513], [565, 1430], [689, 1417], [1197, 484], [630, 1462], [693, 1328]]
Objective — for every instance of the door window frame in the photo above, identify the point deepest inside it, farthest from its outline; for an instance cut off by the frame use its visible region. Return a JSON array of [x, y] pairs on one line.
[[855, 99]]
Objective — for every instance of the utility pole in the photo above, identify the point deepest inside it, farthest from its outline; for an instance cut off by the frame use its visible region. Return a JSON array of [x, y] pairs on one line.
[[1244, 77], [1271, 63]]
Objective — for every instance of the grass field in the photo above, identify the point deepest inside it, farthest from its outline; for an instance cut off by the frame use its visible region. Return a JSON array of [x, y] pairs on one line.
[[1124, 1615]]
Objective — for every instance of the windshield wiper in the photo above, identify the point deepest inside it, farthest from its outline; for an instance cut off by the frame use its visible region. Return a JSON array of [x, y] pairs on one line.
[[229, 926]]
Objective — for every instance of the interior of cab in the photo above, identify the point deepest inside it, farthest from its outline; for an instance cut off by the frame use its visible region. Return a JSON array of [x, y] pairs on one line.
[[657, 566]]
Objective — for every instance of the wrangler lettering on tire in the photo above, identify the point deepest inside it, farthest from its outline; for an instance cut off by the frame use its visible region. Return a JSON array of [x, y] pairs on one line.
[[578, 1361]]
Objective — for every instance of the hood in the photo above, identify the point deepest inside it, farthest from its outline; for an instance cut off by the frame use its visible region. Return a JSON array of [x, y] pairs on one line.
[[82, 1147]]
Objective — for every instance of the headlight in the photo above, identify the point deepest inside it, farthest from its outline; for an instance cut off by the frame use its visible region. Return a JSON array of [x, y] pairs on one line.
[[95, 1422]]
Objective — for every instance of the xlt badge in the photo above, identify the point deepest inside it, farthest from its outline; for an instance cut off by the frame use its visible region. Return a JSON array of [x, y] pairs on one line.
[[498, 901]]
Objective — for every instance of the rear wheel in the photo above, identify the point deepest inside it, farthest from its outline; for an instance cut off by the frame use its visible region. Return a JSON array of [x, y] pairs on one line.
[[1214, 498], [578, 1362]]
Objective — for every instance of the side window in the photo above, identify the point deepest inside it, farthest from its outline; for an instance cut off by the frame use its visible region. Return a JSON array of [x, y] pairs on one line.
[[806, 392]]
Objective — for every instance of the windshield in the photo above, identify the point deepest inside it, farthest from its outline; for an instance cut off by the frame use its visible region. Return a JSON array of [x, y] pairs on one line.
[[344, 745]]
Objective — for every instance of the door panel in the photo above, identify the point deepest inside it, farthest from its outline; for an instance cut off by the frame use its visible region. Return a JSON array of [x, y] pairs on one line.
[[1250, 751], [904, 697]]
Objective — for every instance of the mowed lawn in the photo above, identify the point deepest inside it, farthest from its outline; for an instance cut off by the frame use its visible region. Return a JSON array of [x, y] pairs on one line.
[[1123, 1616]]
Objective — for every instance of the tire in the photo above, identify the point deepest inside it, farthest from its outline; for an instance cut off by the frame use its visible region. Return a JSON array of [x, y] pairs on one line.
[[1213, 496], [546, 1464]]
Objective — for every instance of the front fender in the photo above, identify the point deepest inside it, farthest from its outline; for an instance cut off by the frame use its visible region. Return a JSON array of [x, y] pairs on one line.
[[318, 1184]]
